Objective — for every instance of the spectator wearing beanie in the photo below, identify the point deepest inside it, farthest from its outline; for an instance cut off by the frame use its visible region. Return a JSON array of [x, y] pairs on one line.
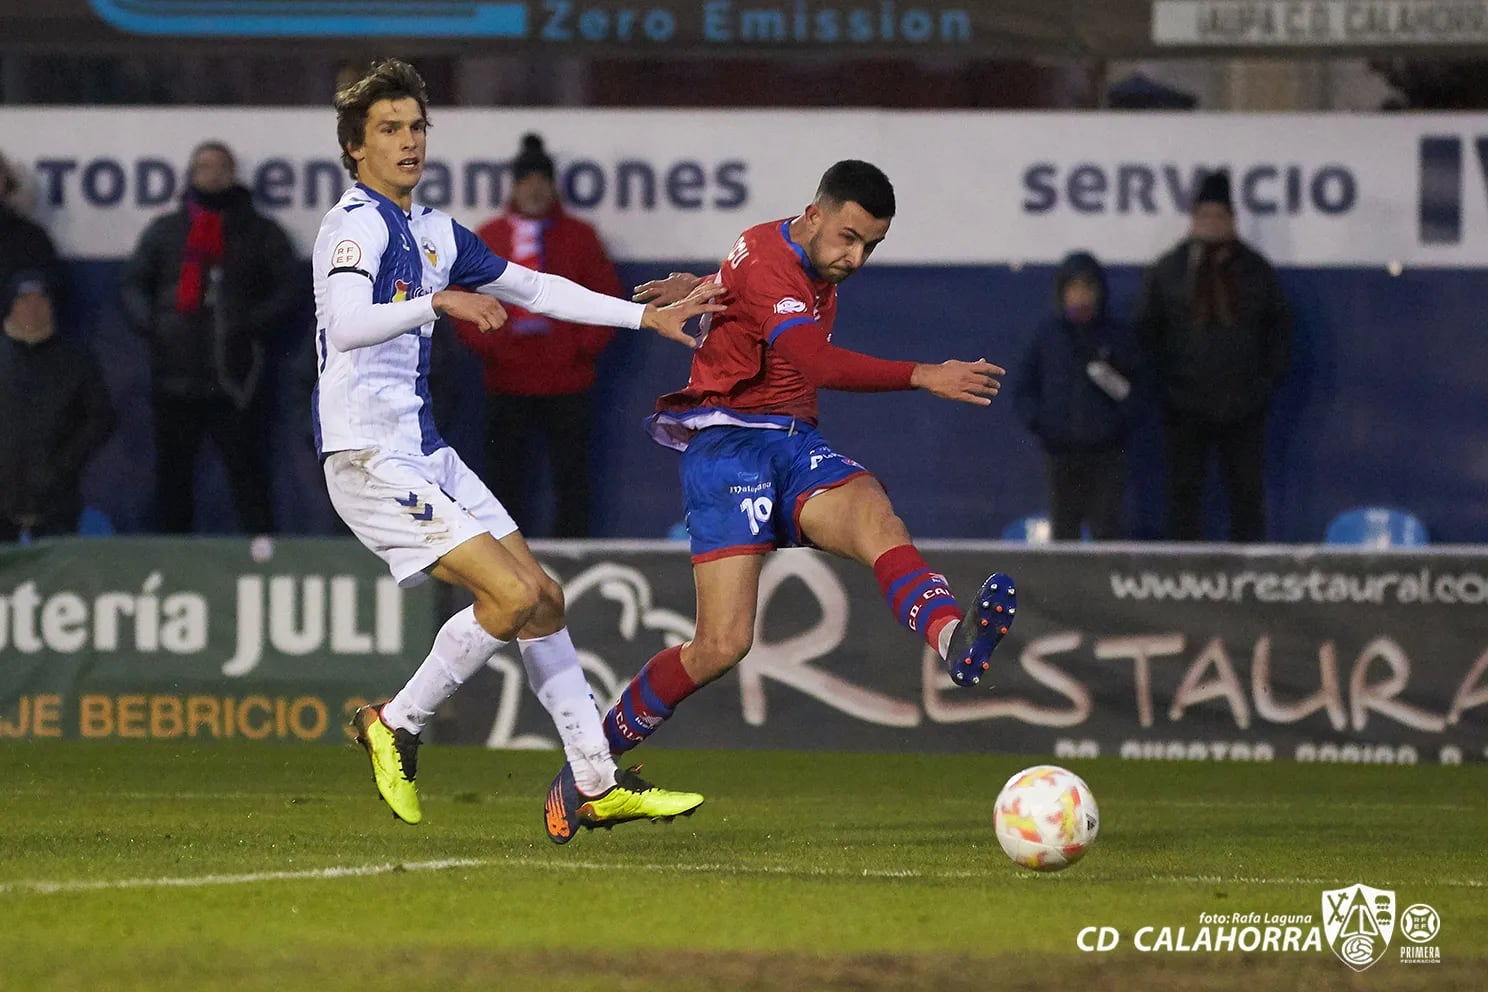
[[1217, 333], [54, 414], [539, 371]]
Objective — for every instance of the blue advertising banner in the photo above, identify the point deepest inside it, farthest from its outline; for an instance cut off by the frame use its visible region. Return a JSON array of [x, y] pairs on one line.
[[645, 28]]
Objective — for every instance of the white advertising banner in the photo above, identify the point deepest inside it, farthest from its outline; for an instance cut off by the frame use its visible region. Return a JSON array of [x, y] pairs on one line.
[[974, 188], [1319, 22]]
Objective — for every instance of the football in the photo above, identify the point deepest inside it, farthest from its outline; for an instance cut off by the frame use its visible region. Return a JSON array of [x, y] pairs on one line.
[[1046, 818]]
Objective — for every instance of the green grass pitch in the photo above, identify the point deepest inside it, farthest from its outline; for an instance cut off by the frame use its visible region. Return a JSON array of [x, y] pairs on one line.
[[165, 866]]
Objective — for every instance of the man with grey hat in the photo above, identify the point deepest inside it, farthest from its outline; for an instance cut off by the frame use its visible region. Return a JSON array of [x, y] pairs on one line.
[[54, 414], [1217, 332]]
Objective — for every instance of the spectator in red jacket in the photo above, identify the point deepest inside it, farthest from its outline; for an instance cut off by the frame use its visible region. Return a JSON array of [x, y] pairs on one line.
[[539, 371]]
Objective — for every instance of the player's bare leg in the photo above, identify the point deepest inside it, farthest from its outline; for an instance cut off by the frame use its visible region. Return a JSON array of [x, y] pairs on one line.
[[727, 600], [547, 616], [857, 521], [505, 595]]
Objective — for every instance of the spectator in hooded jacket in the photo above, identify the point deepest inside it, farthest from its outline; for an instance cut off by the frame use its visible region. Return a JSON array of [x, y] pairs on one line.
[[1074, 391], [1217, 332], [539, 371], [208, 285], [54, 414]]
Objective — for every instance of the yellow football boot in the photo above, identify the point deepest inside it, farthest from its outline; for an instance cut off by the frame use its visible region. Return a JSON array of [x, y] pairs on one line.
[[394, 755], [630, 798]]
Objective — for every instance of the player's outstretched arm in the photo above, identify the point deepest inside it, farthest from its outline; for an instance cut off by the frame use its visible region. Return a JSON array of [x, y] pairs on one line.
[[664, 292], [804, 343], [563, 299], [965, 382]]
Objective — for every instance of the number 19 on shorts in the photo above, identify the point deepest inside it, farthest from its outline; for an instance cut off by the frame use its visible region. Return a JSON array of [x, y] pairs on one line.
[[757, 510]]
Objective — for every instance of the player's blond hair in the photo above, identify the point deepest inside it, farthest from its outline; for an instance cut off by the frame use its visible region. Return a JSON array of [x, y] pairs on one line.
[[389, 79]]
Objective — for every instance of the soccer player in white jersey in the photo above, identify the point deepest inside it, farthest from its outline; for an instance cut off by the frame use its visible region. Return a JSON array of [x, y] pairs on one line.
[[382, 264]]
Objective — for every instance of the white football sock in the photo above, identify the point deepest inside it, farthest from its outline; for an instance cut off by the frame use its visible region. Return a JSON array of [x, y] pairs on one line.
[[461, 648], [946, 633], [556, 677]]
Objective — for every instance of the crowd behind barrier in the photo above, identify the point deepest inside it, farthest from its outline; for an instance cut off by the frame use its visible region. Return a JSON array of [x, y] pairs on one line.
[[1335, 436]]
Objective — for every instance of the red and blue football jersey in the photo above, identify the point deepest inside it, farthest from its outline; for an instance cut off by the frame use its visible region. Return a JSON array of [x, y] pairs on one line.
[[737, 377]]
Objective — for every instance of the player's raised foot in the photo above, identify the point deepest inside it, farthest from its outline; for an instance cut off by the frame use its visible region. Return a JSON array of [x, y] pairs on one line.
[[394, 755], [630, 798], [985, 624]]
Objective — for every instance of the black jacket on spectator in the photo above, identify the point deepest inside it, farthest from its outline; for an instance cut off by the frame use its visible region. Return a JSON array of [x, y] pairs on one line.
[[219, 349], [24, 244], [1052, 393], [1222, 369], [55, 413]]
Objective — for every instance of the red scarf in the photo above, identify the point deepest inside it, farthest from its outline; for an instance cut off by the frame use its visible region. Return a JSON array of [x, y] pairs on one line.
[[1215, 289], [203, 252], [528, 249]]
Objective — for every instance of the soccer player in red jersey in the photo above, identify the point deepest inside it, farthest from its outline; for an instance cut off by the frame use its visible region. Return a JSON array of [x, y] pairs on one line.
[[756, 473]]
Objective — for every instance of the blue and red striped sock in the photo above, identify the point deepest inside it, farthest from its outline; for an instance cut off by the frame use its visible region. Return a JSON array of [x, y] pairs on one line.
[[918, 597], [648, 700]]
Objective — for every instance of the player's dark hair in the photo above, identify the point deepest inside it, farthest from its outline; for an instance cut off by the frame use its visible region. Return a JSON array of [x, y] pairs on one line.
[[390, 79], [852, 181]]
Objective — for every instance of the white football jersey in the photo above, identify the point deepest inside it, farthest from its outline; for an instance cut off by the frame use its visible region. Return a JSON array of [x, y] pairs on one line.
[[378, 396]]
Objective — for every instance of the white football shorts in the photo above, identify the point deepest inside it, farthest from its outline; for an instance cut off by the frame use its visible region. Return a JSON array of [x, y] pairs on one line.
[[412, 510]]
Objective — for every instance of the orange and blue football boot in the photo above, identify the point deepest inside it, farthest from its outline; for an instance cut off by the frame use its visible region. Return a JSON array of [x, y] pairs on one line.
[[981, 630], [630, 798]]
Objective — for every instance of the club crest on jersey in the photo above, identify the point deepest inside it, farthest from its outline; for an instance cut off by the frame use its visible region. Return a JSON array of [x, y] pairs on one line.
[[790, 305], [429, 251]]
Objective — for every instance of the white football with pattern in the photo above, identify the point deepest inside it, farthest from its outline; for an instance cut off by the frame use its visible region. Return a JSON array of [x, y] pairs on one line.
[[1046, 818]]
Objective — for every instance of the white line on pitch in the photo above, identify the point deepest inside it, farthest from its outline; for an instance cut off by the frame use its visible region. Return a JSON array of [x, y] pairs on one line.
[[42, 887], [1302, 804], [486, 798], [1448, 883], [247, 878], [356, 871], [287, 797]]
